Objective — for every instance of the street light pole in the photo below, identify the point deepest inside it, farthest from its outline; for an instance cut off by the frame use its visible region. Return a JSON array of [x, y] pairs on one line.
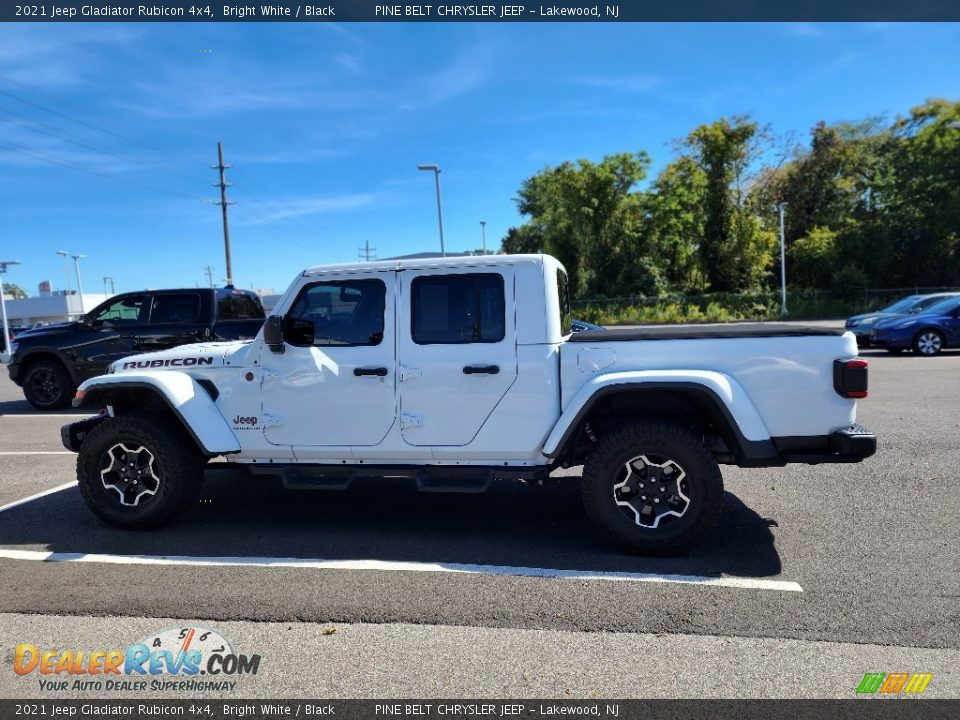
[[783, 265], [3, 308], [483, 232], [76, 264], [66, 273], [436, 174]]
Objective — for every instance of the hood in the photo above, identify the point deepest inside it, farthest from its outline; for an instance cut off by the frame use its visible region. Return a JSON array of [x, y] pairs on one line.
[[45, 330], [210, 354], [873, 317], [894, 320]]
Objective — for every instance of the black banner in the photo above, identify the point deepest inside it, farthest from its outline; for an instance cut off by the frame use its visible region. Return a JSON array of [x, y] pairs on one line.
[[860, 709], [563, 11]]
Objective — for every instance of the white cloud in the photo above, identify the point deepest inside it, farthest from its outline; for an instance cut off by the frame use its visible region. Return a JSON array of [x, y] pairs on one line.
[[624, 83], [302, 207]]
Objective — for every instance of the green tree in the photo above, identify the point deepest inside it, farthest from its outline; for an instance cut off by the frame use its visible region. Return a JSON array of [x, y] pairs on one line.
[[13, 291], [586, 215], [735, 249]]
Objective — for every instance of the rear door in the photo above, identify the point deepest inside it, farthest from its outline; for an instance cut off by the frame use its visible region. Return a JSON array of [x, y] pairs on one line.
[[175, 319], [458, 354]]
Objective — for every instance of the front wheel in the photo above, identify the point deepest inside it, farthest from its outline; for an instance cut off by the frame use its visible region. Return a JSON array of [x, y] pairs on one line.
[[652, 487], [47, 386], [928, 343], [137, 472]]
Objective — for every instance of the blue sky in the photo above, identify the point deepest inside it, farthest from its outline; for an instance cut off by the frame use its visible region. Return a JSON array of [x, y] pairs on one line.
[[325, 124]]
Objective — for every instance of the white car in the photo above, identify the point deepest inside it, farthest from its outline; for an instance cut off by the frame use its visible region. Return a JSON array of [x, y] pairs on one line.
[[459, 371]]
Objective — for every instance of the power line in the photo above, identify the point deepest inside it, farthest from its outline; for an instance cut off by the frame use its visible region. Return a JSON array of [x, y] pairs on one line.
[[53, 131], [20, 150]]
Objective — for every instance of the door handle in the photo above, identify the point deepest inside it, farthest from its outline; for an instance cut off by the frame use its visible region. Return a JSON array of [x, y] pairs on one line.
[[481, 370], [379, 372]]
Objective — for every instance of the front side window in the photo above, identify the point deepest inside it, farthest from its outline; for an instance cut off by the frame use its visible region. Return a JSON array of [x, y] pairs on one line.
[[342, 312], [458, 309], [125, 311], [175, 308]]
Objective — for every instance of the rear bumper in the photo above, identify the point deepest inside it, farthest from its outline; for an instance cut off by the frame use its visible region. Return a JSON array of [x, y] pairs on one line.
[[849, 445]]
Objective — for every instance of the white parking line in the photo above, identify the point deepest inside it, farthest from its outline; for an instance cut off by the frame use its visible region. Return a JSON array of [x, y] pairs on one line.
[[39, 495], [397, 566], [742, 583], [36, 452], [44, 415]]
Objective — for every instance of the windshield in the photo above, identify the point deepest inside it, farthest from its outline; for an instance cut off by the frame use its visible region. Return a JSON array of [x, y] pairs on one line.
[[944, 307], [901, 306]]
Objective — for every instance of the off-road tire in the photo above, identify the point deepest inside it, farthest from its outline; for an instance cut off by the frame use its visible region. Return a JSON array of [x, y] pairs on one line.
[[47, 385], [178, 464], [704, 484]]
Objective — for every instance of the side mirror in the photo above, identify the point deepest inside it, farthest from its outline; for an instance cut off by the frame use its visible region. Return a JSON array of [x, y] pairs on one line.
[[273, 333], [299, 331]]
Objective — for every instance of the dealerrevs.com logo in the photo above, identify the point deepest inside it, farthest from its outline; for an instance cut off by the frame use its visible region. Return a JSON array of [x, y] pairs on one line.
[[188, 659], [890, 684]]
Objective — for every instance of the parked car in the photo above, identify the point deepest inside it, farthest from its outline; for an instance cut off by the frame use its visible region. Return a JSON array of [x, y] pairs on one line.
[[460, 371], [927, 333], [15, 330], [49, 362], [582, 326], [861, 325]]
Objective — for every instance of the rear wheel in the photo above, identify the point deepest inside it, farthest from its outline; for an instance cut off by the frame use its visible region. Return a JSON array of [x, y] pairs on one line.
[[652, 487], [928, 343], [137, 472], [47, 386]]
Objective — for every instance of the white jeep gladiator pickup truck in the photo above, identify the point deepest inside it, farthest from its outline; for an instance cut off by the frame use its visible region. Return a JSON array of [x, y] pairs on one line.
[[456, 372]]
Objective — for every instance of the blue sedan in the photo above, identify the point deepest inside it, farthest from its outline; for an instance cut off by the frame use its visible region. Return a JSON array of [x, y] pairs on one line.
[[861, 325], [928, 333]]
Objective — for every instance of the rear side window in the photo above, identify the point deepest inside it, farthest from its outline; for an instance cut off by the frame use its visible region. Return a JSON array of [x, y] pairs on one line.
[[455, 309], [239, 305], [344, 312], [175, 308]]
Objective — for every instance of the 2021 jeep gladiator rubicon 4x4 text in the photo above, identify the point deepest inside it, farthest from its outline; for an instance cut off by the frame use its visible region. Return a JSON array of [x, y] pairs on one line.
[[455, 372]]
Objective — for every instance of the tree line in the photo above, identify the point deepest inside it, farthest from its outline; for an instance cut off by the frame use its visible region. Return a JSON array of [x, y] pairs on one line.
[[867, 204]]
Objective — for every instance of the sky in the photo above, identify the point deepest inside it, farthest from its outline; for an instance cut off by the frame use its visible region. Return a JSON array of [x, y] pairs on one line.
[[108, 131]]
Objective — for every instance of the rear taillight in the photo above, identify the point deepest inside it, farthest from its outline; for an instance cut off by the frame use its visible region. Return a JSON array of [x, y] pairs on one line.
[[850, 378]]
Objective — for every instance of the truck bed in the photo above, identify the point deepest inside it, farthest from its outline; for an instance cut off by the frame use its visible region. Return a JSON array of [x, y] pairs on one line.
[[703, 332]]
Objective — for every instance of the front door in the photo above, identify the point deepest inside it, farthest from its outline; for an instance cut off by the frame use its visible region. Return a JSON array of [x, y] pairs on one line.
[[115, 329], [458, 353], [339, 388]]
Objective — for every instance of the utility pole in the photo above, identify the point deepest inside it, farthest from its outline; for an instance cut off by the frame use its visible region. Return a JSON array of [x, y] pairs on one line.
[[435, 169], [223, 205], [367, 252], [108, 280], [483, 232], [209, 273], [783, 265]]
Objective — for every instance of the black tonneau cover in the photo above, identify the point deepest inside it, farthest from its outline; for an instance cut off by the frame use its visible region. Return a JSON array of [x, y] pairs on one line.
[[701, 332]]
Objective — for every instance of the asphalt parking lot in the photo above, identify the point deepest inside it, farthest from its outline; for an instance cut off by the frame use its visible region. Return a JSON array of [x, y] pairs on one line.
[[844, 568]]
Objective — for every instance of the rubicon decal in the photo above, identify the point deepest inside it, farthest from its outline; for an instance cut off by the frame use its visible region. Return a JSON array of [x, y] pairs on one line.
[[174, 362], [170, 660]]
